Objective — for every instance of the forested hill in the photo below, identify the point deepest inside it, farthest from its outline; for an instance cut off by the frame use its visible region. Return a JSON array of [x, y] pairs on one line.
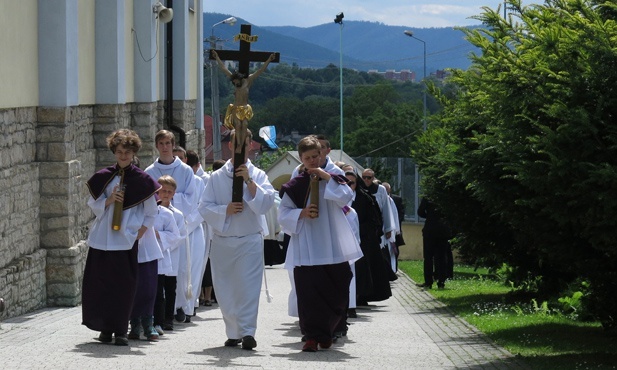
[[366, 45]]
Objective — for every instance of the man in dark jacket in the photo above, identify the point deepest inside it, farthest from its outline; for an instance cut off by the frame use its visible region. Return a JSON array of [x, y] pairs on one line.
[[436, 235]]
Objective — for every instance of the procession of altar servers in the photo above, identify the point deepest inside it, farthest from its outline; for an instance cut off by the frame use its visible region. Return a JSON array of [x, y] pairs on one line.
[[200, 208]]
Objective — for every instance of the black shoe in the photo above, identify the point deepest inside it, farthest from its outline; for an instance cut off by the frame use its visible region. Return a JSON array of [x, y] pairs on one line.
[[351, 313], [104, 337], [187, 319], [232, 342], [248, 342], [121, 340], [168, 325], [425, 285], [441, 285], [180, 316]]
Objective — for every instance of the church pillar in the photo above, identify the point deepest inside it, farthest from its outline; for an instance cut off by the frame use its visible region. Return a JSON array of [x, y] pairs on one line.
[[58, 53], [110, 111], [63, 142], [62, 150], [110, 75]]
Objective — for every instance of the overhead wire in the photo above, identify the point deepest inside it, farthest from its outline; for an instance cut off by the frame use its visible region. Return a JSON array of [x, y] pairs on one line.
[[392, 143]]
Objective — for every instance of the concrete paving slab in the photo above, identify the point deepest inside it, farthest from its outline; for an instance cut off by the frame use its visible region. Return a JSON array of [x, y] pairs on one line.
[[411, 330]]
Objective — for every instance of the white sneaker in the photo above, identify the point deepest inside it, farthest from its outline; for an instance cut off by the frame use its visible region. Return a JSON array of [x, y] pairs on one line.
[[159, 329]]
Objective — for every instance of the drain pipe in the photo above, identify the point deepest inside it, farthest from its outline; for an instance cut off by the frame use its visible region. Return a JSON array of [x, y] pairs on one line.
[[169, 82]]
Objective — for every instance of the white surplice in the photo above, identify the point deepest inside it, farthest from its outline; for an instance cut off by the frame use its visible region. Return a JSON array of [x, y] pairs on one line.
[[102, 237], [149, 248], [329, 167], [175, 249], [169, 237], [325, 240], [354, 222], [207, 229], [396, 226], [189, 280], [292, 307], [384, 204], [185, 199]]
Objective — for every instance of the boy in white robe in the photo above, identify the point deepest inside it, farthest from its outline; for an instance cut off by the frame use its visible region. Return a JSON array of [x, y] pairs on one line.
[[192, 159], [185, 197], [110, 274], [171, 279], [192, 271], [321, 247], [329, 166], [237, 245], [169, 237]]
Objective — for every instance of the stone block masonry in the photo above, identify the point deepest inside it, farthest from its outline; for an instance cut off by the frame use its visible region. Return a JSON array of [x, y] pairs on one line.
[[22, 263], [46, 156], [23, 284]]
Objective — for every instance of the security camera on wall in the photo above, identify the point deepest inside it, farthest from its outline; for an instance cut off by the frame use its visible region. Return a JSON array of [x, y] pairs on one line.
[[163, 14]]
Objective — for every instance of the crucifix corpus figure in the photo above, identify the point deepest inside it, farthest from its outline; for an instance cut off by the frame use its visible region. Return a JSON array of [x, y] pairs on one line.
[[240, 112]]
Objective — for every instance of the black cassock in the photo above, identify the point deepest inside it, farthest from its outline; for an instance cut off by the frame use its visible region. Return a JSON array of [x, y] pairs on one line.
[[372, 277]]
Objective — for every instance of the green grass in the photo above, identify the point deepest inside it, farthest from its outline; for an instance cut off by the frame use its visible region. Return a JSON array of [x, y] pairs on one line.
[[539, 335]]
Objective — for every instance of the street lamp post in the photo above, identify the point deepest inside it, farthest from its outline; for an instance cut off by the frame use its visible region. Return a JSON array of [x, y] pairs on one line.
[[417, 174], [214, 92], [339, 20], [410, 34]]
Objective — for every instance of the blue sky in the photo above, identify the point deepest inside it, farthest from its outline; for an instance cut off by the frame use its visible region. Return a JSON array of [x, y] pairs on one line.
[[307, 13]]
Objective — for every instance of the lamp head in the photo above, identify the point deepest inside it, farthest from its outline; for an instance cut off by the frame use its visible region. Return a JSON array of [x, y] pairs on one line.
[[230, 21], [408, 33], [339, 18]]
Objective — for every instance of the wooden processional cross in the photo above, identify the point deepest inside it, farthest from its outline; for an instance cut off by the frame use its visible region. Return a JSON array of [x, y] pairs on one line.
[[244, 57]]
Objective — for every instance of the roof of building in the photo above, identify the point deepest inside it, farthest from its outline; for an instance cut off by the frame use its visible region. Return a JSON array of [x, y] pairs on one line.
[[280, 171]]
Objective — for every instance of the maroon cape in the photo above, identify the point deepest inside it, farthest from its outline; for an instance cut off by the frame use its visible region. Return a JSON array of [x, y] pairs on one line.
[[139, 185]]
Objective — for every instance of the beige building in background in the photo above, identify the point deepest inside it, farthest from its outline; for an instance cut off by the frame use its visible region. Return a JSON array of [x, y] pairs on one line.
[[72, 71]]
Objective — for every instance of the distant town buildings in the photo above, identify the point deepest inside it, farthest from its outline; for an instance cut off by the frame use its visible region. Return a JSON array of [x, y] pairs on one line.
[[407, 75]]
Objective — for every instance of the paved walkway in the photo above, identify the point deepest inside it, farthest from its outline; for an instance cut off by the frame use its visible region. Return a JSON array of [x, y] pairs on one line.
[[409, 331]]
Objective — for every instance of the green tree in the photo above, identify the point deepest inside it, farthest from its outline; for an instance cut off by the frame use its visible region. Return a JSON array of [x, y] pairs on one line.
[[386, 132], [379, 123], [313, 114], [307, 100], [267, 158], [523, 158]]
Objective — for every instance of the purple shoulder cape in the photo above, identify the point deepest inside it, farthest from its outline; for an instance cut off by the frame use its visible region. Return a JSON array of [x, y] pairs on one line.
[[298, 188], [139, 185]]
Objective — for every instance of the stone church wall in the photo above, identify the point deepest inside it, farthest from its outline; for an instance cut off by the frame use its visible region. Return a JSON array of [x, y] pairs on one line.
[[46, 156], [22, 263]]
